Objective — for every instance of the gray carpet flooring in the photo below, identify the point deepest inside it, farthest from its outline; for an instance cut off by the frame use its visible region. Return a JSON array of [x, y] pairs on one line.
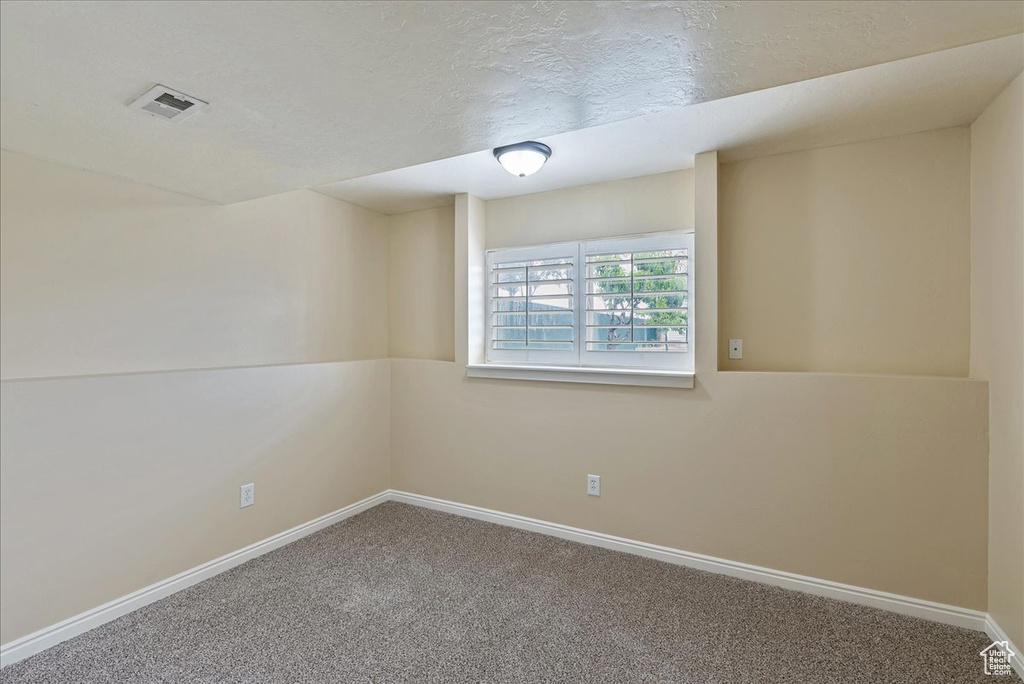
[[402, 594]]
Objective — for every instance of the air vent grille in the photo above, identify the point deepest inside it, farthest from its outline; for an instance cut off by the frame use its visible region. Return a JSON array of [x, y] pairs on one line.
[[168, 104], [171, 101]]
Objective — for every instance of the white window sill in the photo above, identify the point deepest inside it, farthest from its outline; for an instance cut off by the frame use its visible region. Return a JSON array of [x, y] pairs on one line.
[[599, 376]]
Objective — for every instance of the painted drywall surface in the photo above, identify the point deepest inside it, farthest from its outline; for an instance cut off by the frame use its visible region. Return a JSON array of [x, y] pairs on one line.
[[647, 204], [997, 338], [119, 479], [705, 264], [111, 483], [420, 310], [347, 305], [876, 482], [470, 274], [341, 89], [924, 93], [101, 275], [850, 258]]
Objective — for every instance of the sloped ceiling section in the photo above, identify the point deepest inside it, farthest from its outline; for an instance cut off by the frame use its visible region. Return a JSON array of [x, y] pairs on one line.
[[938, 90], [309, 93]]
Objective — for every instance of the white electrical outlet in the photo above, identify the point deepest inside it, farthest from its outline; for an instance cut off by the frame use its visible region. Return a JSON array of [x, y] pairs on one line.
[[594, 485], [248, 495], [735, 349]]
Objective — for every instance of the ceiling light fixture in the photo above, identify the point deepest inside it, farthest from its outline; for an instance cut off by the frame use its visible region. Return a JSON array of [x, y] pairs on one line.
[[522, 159]]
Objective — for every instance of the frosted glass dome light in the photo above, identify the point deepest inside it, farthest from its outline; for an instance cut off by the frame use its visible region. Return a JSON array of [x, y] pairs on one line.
[[522, 159]]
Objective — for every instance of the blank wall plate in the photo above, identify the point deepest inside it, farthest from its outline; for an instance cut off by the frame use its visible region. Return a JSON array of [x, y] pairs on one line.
[[735, 349], [247, 495]]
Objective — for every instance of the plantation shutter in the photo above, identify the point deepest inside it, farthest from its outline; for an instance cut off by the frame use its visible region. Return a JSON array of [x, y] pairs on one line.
[[637, 301], [617, 303], [532, 302]]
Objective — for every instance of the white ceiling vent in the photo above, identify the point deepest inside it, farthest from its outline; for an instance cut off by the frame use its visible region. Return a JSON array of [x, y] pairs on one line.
[[168, 104]]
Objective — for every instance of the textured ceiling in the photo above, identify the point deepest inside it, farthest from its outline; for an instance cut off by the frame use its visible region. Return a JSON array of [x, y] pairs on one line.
[[306, 93], [938, 90]]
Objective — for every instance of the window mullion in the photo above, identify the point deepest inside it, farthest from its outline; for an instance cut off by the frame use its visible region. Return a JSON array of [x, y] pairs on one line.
[[526, 316], [579, 275], [631, 298]]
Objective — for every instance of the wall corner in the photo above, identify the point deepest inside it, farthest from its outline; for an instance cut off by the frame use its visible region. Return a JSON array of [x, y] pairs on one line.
[[470, 264], [706, 267]]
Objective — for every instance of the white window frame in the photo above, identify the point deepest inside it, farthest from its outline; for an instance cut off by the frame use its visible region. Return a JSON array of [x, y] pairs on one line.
[[669, 369]]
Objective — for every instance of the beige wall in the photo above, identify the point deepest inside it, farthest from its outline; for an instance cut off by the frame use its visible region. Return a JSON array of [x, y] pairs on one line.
[[99, 275], [420, 310], [111, 482], [648, 204], [849, 259], [878, 482], [997, 338], [870, 480]]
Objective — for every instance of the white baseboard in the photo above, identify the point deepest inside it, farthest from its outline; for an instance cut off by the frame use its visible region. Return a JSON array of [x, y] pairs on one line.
[[43, 639], [50, 636], [905, 605], [996, 633]]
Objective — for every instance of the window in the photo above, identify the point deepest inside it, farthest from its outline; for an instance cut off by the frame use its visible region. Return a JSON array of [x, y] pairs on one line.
[[533, 304], [619, 304]]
